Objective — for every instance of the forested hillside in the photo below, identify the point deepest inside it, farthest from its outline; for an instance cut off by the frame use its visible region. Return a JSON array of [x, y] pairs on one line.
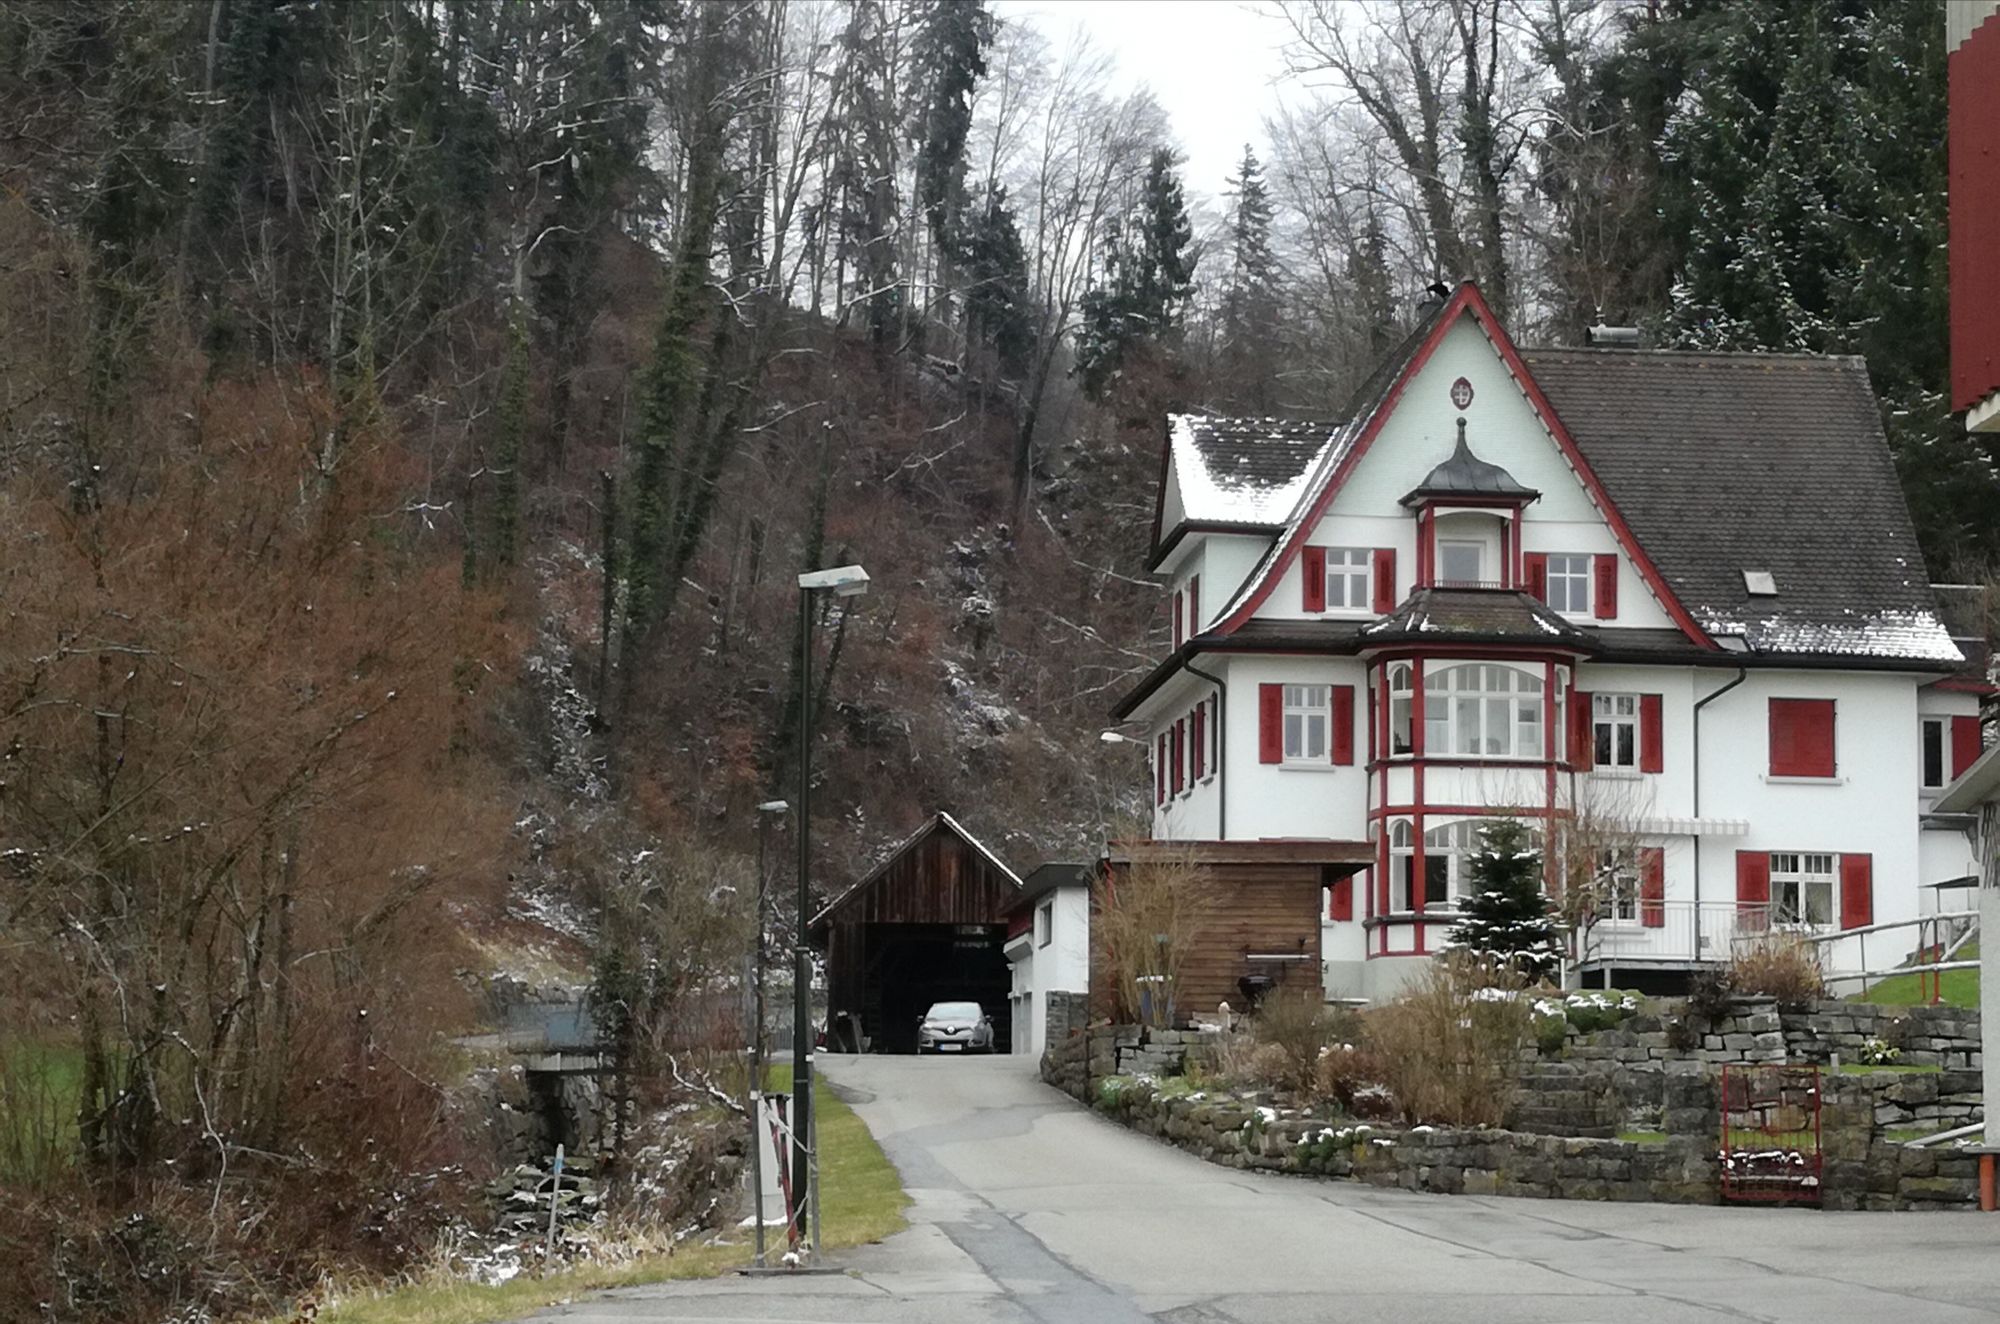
[[413, 416]]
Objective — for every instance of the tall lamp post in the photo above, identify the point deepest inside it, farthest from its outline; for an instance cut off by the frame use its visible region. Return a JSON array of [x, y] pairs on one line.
[[848, 581]]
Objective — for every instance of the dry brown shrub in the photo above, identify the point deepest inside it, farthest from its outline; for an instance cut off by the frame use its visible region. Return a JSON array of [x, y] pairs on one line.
[[1784, 966], [1305, 1032], [1147, 921], [1447, 1049]]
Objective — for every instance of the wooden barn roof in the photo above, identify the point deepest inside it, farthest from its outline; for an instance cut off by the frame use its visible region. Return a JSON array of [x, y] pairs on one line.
[[938, 874]]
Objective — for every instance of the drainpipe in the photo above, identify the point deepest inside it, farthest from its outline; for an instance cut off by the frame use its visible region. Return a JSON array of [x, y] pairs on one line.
[[1222, 749], [1741, 672]]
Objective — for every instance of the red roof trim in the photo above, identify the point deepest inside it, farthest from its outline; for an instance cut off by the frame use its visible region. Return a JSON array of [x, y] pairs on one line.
[[1467, 299], [1965, 685]]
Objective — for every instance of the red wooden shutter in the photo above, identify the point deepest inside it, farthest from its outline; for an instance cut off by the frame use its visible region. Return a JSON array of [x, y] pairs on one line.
[[1343, 724], [1177, 620], [1857, 891], [1160, 772], [1652, 732], [1753, 881], [1194, 606], [1964, 744], [1385, 580], [1312, 572], [1582, 743], [1180, 756], [1270, 723], [1802, 738], [1340, 905], [1653, 887], [1200, 751], [1604, 586], [1537, 567]]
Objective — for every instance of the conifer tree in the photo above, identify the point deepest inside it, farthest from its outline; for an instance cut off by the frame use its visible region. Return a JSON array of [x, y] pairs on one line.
[[949, 55], [1505, 914], [1147, 278], [1251, 304], [996, 284]]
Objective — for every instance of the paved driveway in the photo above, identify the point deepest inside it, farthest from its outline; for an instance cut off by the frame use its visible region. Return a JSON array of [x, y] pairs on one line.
[[1029, 1209]]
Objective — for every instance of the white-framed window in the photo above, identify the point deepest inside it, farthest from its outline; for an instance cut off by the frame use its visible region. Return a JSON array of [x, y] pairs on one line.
[[1935, 732], [1045, 923], [1569, 583], [1461, 562], [1614, 720], [1802, 889], [1401, 699], [1483, 711], [1306, 708], [1617, 887], [1402, 855], [1347, 579]]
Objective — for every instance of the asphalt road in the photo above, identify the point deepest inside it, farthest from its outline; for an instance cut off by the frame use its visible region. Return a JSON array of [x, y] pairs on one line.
[[1030, 1210]]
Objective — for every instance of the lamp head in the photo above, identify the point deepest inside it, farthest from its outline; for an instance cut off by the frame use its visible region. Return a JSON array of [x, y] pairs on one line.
[[774, 806], [847, 581]]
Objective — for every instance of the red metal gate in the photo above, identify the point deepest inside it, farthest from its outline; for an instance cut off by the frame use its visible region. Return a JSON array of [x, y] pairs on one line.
[[1770, 1134]]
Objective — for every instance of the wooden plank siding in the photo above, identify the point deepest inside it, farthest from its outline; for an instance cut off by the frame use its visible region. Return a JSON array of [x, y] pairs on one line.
[[1258, 908]]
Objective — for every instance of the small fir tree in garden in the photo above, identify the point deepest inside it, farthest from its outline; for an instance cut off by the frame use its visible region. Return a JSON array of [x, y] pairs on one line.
[[1504, 914]]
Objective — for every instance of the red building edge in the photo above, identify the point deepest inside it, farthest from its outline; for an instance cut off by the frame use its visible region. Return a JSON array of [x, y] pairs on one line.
[[1973, 68]]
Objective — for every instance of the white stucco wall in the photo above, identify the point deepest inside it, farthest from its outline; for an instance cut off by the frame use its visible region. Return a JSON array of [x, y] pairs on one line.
[[1062, 965]]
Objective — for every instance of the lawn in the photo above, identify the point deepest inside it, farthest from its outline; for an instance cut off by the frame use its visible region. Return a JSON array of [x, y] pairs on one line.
[[864, 1202], [1961, 987]]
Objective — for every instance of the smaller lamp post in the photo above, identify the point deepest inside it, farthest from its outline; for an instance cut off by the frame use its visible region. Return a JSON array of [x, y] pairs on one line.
[[766, 812]]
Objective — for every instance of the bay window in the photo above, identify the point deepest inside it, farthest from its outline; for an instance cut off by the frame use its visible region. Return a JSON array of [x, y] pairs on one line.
[[1401, 697], [1480, 710]]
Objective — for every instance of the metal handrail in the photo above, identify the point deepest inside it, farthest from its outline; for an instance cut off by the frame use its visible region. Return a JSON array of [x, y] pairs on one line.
[[1860, 929]]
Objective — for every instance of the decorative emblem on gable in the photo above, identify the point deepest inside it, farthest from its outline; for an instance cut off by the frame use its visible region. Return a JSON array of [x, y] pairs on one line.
[[1461, 393]]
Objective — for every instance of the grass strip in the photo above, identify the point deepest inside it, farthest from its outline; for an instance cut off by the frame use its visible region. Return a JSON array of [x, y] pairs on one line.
[[864, 1202]]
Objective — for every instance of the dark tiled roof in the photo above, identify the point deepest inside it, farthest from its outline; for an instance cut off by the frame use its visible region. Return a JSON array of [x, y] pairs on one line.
[[1723, 463], [1485, 615], [1243, 470], [1048, 877], [1465, 474]]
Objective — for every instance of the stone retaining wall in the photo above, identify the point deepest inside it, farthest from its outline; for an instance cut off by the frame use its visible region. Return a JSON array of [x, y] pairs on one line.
[[1863, 1167], [1760, 1031]]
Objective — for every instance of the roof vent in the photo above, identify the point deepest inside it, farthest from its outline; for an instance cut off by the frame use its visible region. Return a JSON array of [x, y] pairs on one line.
[[1760, 584], [1619, 337]]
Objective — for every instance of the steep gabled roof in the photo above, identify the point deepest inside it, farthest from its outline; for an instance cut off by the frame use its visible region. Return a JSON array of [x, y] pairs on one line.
[[1245, 473], [1774, 463], [936, 823], [1375, 404]]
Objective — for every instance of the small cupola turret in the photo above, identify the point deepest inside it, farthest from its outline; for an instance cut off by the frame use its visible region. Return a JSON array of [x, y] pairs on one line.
[[1466, 475]]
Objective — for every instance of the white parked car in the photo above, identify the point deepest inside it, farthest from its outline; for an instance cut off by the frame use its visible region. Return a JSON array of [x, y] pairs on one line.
[[955, 1027]]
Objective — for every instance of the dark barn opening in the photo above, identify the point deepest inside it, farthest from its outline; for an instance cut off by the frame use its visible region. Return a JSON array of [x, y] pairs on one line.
[[926, 925]]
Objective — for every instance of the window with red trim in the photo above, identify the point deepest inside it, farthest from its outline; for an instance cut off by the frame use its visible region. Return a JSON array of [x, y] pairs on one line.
[[1802, 743]]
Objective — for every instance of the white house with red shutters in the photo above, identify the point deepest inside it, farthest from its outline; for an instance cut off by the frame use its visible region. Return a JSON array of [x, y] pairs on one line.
[[1666, 602]]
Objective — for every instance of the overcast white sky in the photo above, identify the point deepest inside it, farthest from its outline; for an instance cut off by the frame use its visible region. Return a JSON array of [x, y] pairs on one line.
[[1214, 65]]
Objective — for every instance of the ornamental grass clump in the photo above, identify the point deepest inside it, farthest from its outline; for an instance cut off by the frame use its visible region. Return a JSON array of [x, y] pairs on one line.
[[1448, 1048], [1296, 1031], [1784, 966]]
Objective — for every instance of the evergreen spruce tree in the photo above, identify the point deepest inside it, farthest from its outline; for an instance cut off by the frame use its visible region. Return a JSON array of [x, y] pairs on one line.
[[996, 284], [1251, 302], [949, 58], [1146, 279], [1803, 170], [1505, 914]]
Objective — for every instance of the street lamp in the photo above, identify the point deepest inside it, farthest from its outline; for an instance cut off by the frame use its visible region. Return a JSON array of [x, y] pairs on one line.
[[1119, 738], [847, 581], [766, 812]]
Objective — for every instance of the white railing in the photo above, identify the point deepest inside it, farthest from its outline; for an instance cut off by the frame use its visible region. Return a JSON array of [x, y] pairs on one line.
[[1685, 931], [1689, 932]]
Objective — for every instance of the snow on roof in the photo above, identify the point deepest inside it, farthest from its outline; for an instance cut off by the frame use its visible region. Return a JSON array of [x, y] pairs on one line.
[[1244, 470], [1913, 635]]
